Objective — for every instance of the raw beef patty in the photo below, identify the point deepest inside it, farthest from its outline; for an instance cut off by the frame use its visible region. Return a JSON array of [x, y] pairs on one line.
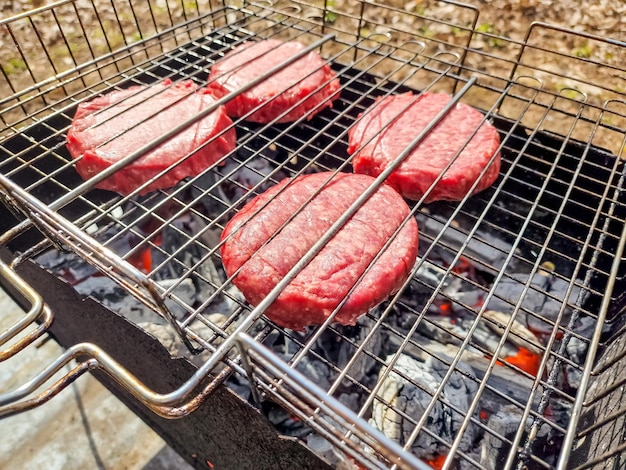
[[315, 292], [429, 159], [307, 77], [102, 133]]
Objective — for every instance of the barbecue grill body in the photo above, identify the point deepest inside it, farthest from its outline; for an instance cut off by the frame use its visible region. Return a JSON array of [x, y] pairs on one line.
[[543, 243], [226, 430]]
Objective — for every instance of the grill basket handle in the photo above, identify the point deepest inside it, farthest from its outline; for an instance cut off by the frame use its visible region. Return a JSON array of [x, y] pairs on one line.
[[39, 312], [81, 358]]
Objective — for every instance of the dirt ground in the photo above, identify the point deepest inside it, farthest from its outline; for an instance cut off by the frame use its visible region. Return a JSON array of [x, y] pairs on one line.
[[500, 25]]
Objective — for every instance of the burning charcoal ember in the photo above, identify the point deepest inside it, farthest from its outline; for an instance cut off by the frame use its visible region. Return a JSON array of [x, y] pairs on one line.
[[508, 292], [337, 350], [504, 424], [431, 274], [512, 384], [452, 287], [463, 293], [519, 336], [576, 351], [244, 177], [284, 422], [483, 336], [486, 336], [407, 398], [329, 452], [483, 246]]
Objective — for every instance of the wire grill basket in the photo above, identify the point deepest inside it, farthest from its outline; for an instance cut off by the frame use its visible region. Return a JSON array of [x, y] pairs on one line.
[[550, 228]]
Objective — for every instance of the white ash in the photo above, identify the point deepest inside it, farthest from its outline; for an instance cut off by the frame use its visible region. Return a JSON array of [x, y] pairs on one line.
[[431, 274], [165, 335], [545, 296], [412, 400], [486, 335]]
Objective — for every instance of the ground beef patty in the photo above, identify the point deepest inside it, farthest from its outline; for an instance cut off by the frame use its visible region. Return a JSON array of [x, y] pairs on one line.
[[311, 297], [307, 77], [424, 164], [102, 133]]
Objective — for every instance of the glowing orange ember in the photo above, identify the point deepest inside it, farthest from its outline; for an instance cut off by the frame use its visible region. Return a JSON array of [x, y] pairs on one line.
[[146, 260], [526, 360], [437, 462], [357, 464], [445, 309], [142, 260], [463, 265], [539, 333]]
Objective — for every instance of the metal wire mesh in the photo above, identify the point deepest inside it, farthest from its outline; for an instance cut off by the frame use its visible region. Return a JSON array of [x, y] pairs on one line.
[[554, 218]]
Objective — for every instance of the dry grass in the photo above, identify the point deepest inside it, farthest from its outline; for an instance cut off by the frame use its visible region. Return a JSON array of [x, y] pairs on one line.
[[571, 65]]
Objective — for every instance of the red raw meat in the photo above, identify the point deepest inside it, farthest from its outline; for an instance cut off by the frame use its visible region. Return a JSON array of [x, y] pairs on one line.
[[315, 292], [393, 128], [113, 116], [304, 78]]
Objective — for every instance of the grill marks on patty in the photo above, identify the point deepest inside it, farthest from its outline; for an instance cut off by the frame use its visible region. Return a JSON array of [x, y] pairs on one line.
[[265, 239], [310, 78], [110, 127], [462, 137], [319, 288]]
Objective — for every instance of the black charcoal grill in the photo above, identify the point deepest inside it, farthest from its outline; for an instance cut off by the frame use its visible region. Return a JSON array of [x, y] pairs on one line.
[[504, 349]]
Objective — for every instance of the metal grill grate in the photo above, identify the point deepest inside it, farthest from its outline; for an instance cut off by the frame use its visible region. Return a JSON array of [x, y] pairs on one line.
[[550, 228]]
